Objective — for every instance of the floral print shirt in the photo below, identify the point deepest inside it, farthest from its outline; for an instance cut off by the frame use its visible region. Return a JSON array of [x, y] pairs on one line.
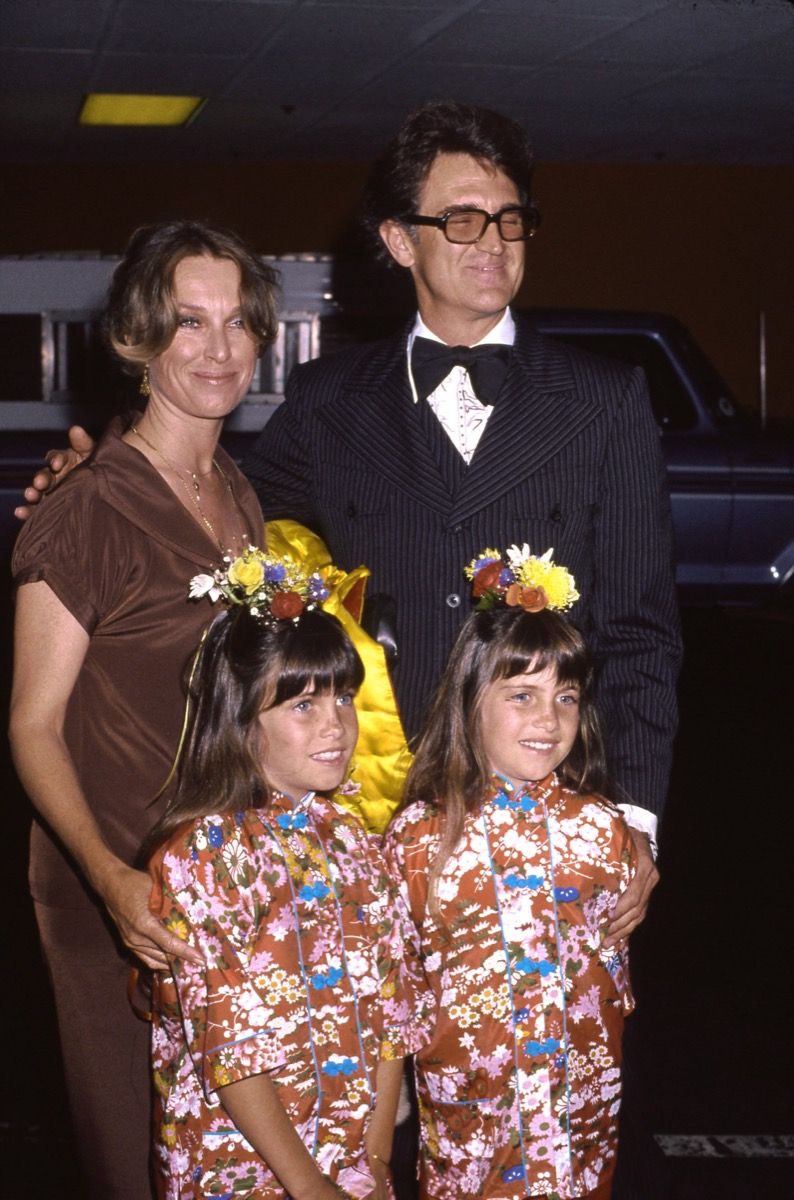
[[305, 978], [519, 1087]]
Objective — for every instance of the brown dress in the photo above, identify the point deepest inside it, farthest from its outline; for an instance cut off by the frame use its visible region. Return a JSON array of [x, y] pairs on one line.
[[118, 550]]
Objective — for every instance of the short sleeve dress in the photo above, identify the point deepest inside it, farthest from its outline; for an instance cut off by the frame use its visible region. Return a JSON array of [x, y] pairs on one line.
[[519, 1087], [118, 550], [305, 978]]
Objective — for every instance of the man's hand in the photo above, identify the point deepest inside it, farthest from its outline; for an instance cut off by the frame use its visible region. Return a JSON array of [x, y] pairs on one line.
[[60, 463], [632, 907], [126, 894]]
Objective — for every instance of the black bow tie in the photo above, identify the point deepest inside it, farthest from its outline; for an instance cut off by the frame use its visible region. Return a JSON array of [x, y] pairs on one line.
[[431, 362]]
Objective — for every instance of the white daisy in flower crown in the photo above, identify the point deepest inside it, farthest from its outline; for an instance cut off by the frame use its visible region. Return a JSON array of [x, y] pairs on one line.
[[520, 578], [271, 588]]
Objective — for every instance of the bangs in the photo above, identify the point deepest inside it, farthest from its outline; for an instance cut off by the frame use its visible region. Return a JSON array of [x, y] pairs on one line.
[[536, 641], [316, 655]]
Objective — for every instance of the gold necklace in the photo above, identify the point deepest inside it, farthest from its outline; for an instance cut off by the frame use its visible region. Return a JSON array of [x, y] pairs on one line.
[[193, 490]]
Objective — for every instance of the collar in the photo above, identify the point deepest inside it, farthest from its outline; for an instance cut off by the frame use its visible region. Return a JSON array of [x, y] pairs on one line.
[[505, 794], [502, 334]]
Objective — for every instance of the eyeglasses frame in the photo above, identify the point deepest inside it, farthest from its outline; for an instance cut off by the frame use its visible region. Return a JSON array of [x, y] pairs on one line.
[[530, 210]]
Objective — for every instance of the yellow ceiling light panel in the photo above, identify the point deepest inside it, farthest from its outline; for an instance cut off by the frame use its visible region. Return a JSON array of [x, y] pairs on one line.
[[109, 108]]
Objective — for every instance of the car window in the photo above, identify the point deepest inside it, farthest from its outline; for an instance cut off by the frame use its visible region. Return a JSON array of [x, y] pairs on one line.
[[672, 405]]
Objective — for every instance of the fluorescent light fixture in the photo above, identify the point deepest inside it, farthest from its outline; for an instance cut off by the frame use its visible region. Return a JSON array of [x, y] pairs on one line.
[[108, 108]]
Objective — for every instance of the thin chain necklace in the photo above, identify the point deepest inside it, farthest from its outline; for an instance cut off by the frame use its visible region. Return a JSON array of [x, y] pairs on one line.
[[193, 489]]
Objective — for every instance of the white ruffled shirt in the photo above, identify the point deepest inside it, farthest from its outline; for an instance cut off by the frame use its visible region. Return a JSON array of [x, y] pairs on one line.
[[460, 414]]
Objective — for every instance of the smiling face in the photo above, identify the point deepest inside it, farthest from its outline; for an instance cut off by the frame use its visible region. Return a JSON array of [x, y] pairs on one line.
[[307, 742], [528, 724], [206, 369], [462, 291]]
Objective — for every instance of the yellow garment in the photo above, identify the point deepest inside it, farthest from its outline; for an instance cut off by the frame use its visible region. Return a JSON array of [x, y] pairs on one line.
[[382, 756]]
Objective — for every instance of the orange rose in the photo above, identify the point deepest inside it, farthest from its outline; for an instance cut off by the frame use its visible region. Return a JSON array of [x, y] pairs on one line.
[[531, 599], [286, 605], [487, 577]]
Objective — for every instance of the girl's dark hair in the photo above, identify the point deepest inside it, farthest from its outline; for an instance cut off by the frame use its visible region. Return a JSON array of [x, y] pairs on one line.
[[440, 127], [449, 767], [244, 666], [141, 317]]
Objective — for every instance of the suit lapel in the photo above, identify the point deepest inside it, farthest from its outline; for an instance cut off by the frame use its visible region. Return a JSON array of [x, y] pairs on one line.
[[538, 412], [374, 417]]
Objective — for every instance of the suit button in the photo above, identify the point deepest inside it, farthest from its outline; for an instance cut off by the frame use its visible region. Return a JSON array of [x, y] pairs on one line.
[[453, 600], [457, 528]]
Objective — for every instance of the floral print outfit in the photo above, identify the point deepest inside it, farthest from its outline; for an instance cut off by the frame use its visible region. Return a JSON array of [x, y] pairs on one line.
[[519, 1088], [305, 978]]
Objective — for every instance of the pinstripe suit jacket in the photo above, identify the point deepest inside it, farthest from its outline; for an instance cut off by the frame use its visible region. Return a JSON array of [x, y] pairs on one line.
[[570, 458]]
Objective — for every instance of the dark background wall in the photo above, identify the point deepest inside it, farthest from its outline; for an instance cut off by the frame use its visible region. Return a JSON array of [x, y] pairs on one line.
[[710, 244]]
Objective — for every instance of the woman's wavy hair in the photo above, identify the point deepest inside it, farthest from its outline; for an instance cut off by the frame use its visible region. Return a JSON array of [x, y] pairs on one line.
[[141, 316], [440, 127], [243, 667], [449, 767]]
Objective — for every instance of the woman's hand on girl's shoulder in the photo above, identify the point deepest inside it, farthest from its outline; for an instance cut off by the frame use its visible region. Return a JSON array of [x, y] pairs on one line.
[[126, 892]]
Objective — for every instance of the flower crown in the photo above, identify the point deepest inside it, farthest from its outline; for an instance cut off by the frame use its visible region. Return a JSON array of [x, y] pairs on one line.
[[271, 588], [520, 579]]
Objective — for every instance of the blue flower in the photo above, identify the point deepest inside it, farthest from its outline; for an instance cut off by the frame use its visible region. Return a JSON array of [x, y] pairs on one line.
[[519, 1015], [513, 1173], [525, 804], [479, 563], [523, 881], [215, 836], [506, 577], [329, 980], [194, 854], [239, 817], [275, 572], [347, 1066], [537, 1048], [565, 894], [317, 588], [292, 820], [314, 891], [527, 966]]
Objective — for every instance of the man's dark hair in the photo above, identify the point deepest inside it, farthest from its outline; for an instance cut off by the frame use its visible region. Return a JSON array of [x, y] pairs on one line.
[[441, 127]]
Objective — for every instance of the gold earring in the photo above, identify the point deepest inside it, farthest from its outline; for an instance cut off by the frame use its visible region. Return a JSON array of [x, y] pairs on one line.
[[144, 388]]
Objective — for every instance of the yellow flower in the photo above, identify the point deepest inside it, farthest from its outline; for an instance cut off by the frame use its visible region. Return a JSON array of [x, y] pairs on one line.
[[557, 583], [168, 1134], [179, 927], [387, 1051], [247, 572], [387, 989]]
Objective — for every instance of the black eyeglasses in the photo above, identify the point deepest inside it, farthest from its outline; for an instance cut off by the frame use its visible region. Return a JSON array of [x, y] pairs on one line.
[[516, 223]]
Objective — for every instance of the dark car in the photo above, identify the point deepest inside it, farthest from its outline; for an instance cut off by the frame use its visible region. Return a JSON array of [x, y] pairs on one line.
[[731, 486]]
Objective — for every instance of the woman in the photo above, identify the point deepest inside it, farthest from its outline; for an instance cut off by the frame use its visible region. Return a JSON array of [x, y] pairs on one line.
[[104, 636]]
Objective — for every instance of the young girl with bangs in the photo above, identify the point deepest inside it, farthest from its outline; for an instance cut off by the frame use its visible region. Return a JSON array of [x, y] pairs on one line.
[[277, 1060], [512, 859]]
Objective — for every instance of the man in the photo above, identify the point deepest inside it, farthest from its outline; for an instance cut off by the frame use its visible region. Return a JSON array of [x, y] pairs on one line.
[[415, 485]]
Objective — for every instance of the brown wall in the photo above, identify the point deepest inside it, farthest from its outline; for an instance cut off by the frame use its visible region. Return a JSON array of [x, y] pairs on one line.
[[711, 244]]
